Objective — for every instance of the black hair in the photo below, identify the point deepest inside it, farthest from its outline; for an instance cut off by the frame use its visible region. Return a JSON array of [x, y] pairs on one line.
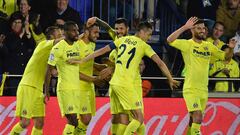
[[49, 31], [221, 23], [121, 20], [68, 24], [144, 25], [15, 16], [91, 26], [224, 47], [19, 1], [200, 21]]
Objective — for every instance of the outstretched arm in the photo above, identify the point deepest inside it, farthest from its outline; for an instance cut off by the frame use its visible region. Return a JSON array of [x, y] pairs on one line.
[[162, 66], [189, 24], [97, 53], [231, 45]]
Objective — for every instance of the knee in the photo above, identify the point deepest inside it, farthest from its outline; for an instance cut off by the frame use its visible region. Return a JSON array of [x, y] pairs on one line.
[[115, 118], [85, 119], [138, 116], [39, 123], [24, 123], [72, 119], [197, 117]]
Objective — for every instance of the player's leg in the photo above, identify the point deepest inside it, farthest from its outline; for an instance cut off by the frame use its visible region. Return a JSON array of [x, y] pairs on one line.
[[129, 100], [23, 109], [38, 126], [69, 108], [194, 108], [141, 129], [20, 126], [72, 122], [86, 106], [38, 113], [135, 123]]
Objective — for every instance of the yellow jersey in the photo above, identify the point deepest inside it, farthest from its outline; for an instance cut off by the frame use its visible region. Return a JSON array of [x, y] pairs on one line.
[[131, 49], [196, 57], [68, 75], [34, 73], [219, 46], [232, 66], [87, 67]]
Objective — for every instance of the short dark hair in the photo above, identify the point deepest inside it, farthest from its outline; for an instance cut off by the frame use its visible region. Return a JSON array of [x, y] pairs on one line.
[[224, 47], [15, 16], [144, 25], [91, 26], [199, 21], [19, 1], [121, 20], [49, 31], [221, 23], [68, 24]]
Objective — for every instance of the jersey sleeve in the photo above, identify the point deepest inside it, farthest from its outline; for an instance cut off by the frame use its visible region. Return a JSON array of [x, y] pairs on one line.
[[181, 44], [217, 52], [149, 52], [54, 56], [112, 34]]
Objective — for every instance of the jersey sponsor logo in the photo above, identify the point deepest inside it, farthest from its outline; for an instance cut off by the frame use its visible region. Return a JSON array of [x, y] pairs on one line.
[[200, 53], [72, 54]]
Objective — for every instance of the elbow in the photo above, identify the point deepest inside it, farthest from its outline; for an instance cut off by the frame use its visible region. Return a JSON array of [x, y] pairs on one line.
[[169, 40]]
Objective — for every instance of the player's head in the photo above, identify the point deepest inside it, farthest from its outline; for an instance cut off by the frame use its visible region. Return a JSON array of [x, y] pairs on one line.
[[144, 31], [226, 48], [121, 27], [71, 31], [218, 30], [53, 32], [198, 30], [92, 32]]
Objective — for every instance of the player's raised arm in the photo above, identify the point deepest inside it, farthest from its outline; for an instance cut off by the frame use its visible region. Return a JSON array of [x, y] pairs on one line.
[[162, 66], [97, 53], [189, 24], [232, 43]]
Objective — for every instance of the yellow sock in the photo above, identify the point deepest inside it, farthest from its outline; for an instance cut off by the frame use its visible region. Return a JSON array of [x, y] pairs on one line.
[[68, 130], [114, 128], [121, 129], [132, 127], [17, 129], [81, 129], [141, 130], [189, 130], [36, 131], [195, 129]]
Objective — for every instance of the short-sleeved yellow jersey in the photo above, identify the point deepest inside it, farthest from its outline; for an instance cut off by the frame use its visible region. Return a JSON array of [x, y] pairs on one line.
[[130, 50], [35, 70], [68, 75], [232, 66], [196, 57], [87, 67], [219, 46]]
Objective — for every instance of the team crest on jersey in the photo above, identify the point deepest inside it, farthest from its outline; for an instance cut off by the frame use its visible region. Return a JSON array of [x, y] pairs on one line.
[[195, 105], [24, 112], [70, 108], [84, 109], [205, 48]]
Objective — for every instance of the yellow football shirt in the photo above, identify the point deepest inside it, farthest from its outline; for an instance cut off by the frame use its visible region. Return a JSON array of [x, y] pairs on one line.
[[131, 49], [196, 57], [87, 67], [232, 66], [35, 70], [68, 75], [219, 46]]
